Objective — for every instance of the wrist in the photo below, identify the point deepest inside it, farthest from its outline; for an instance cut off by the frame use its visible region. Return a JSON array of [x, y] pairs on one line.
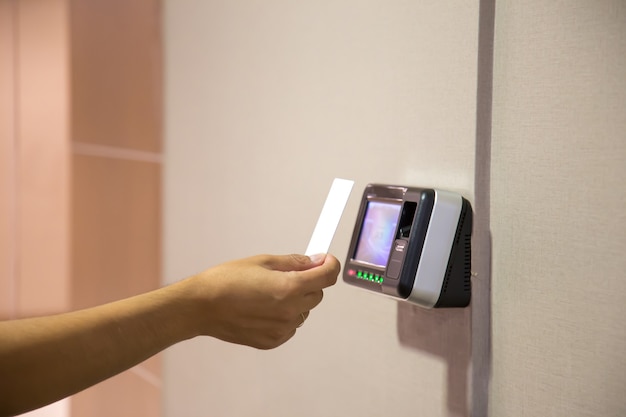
[[180, 310], [192, 300]]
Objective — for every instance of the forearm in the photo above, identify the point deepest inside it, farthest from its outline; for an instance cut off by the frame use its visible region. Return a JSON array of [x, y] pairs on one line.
[[48, 358], [258, 301]]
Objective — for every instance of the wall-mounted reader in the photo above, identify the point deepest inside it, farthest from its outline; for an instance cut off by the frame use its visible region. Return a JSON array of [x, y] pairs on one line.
[[413, 244]]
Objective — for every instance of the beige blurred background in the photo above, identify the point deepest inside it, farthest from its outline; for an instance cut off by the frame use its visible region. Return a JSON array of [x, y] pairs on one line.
[[142, 141]]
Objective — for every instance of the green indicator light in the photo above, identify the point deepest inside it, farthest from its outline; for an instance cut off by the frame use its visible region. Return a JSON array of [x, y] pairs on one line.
[[371, 276], [359, 274]]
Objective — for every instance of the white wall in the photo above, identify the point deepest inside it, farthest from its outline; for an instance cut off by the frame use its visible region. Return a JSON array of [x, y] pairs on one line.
[[267, 102], [558, 209]]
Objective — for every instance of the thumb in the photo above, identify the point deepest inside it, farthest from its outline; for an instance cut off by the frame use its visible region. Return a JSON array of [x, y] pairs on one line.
[[294, 262]]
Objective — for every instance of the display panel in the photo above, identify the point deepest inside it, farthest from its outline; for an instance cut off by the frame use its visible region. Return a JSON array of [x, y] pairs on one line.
[[377, 232]]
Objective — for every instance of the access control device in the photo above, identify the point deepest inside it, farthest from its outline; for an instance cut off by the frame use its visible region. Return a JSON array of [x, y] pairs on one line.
[[413, 244]]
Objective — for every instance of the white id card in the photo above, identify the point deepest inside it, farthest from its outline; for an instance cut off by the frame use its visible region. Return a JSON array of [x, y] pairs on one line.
[[329, 217]]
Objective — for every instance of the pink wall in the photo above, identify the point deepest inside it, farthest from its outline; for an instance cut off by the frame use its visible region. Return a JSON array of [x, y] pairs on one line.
[[7, 160], [80, 169], [42, 157], [116, 182], [35, 156]]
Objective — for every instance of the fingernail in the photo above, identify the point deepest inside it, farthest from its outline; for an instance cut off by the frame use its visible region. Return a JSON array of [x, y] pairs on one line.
[[318, 258]]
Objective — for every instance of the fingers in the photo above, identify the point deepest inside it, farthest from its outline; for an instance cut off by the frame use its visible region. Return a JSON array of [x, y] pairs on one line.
[[318, 278], [268, 340], [293, 262], [310, 300], [281, 333], [262, 300]]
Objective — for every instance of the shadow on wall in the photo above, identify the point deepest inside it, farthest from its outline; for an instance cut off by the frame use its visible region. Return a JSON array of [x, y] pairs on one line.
[[444, 333], [463, 336]]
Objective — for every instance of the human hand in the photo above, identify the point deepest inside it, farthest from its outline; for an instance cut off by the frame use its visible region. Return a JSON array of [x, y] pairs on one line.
[[260, 301]]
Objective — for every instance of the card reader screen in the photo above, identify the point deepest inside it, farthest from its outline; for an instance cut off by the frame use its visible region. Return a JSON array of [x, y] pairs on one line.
[[377, 232]]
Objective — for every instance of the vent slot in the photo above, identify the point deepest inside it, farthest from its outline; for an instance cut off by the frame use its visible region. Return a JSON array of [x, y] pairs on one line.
[[456, 288], [467, 258]]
